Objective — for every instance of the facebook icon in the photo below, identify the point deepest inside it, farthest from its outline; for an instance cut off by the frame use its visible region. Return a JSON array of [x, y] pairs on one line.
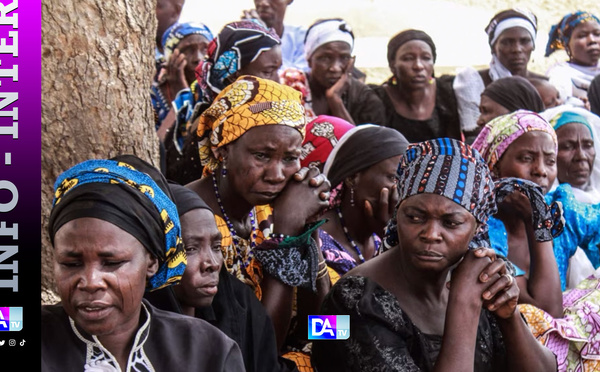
[[328, 327]]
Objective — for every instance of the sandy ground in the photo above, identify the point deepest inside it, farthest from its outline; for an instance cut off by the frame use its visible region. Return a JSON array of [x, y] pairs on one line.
[[457, 27]]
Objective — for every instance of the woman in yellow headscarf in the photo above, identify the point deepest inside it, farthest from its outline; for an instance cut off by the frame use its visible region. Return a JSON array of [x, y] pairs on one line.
[[250, 144]]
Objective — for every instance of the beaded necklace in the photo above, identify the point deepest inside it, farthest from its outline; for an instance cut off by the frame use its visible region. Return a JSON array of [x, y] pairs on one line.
[[234, 235], [352, 243]]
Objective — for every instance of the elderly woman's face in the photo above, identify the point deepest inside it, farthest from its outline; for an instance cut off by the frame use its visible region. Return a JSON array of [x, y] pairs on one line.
[[101, 274], [435, 231], [193, 47], [584, 44], [266, 65], [413, 64], [576, 154], [202, 241], [513, 48], [329, 62], [261, 162], [532, 157]]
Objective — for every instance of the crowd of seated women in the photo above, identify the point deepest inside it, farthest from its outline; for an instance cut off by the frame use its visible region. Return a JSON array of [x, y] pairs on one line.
[[288, 187]]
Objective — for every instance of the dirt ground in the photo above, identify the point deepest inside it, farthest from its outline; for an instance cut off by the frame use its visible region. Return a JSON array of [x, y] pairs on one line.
[[457, 26]]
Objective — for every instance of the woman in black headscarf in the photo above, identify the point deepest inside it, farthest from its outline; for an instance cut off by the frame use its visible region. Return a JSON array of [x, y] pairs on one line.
[[417, 104], [361, 167], [116, 233], [507, 95]]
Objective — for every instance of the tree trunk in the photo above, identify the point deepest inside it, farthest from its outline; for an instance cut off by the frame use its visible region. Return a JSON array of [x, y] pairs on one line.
[[97, 67]]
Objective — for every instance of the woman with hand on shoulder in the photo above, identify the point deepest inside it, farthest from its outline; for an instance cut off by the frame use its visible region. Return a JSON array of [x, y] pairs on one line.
[[329, 88], [578, 33], [404, 316], [417, 104], [116, 234]]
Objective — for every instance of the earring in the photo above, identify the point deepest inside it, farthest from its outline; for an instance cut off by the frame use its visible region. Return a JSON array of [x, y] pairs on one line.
[[224, 168], [352, 196], [394, 81]]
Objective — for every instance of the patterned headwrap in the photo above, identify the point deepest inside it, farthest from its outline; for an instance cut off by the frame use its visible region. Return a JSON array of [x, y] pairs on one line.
[[404, 37], [236, 46], [567, 117], [500, 132], [322, 134], [247, 103], [327, 31], [508, 19], [450, 168], [560, 33], [514, 93], [174, 34], [131, 194]]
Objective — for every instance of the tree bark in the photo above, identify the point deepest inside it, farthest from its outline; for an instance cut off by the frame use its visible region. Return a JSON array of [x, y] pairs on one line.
[[97, 67]]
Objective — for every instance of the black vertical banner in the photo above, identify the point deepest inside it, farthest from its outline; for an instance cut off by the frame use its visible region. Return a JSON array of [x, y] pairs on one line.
[[20, 183]]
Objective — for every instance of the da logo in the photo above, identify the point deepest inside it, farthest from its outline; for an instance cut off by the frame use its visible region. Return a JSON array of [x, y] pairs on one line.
[[328, 327], [11, 318]]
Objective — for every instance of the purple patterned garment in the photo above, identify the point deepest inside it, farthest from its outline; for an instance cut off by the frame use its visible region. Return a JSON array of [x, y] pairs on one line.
[[338, 257]]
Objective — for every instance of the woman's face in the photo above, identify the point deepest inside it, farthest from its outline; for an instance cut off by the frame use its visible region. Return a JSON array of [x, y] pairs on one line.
[[435, 231], [202, 241], [576, 154], [261, 162], [532, 157], [194, 49], [513, 49], [584, 45], [489, 109], [413, 64], [101, 274], [329, 62], [266, 65], [369, 182]]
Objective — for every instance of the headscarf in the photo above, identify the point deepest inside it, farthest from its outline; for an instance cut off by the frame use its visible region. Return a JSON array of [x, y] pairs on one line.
[[500, 132], [174, 34], [450, 168], [322, 135], [560, 33], [131, 194], [327, 31], [235, 47], [508, 19], [515, 93], [186, 200], [404, 37], [567, 117], [594, 95], [361, 148], [247, 103]]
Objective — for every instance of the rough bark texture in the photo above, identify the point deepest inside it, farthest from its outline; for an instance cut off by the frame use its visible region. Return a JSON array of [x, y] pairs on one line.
[[97, 67]]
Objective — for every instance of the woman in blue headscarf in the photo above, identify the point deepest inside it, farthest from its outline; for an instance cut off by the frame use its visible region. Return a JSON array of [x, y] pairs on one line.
[[116, 234], [577, 33]]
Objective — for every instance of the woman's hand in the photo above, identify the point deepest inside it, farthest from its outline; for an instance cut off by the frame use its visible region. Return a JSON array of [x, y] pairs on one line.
[[519, 203], [174, 74], [336, 91], [305, 195], [502, 294], [381, 211]]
